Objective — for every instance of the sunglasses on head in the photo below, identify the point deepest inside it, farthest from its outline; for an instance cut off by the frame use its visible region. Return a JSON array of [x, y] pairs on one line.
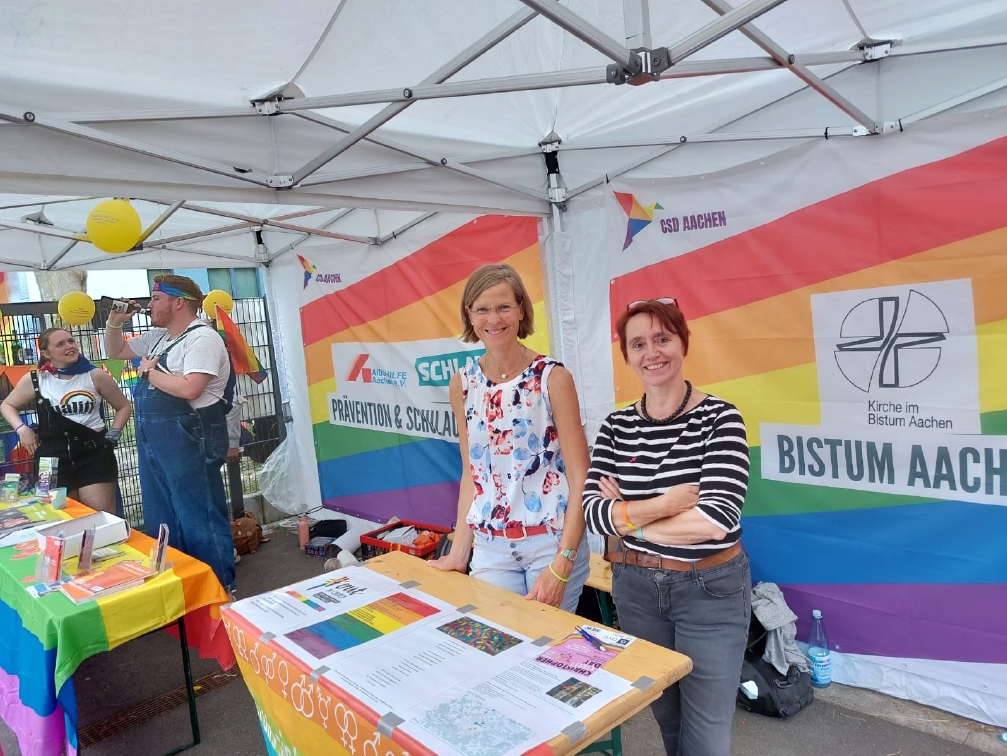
[[659, 300]]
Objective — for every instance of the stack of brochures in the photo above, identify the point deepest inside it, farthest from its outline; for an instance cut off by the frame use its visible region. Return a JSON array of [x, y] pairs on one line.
[[118, 577], [25, 516]]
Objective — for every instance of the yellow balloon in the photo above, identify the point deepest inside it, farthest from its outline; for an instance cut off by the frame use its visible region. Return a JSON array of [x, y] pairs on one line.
[[76, 308], [217, 298], [114, 226]]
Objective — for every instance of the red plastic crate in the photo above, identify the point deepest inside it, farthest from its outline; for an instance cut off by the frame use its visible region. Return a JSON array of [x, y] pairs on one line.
[[371, 544]]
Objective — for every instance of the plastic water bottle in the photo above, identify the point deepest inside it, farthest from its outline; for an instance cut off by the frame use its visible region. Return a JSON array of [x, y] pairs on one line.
[[818, 653]]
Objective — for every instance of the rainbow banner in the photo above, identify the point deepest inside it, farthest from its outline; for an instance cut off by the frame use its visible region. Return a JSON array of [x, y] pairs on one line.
[[242, 357], [862, 333], [43, 640], [381, 344]]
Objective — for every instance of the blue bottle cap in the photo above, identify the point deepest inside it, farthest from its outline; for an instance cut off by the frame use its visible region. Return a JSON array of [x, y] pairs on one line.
[[816, 613]]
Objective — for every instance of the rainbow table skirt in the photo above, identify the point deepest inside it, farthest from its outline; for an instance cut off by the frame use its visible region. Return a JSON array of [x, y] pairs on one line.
[[43, 640]]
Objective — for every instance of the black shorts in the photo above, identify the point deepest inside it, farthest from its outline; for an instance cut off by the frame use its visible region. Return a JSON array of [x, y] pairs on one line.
[[80, 465]]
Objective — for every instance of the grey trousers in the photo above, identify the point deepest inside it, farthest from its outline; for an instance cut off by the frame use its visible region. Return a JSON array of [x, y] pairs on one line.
[[704, 615]]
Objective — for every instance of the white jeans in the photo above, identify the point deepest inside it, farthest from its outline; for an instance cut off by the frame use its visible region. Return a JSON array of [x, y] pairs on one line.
[[515, 565]]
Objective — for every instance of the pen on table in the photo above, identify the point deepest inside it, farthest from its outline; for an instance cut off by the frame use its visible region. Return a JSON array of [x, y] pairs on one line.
[[590, 639]]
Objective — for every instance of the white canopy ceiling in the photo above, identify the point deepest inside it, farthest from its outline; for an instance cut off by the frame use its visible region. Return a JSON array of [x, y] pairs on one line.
[[358, 119]]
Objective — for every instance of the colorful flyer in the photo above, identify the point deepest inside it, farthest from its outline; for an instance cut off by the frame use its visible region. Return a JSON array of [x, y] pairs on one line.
[[575, 654]]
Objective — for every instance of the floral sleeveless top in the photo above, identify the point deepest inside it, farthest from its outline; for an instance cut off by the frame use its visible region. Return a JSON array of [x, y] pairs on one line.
[[514, 454]]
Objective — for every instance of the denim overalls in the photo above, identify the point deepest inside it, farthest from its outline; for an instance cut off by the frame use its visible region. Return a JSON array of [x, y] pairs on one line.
[[180, 451]]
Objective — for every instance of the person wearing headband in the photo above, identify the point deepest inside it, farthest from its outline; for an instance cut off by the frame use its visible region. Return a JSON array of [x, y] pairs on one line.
[[68, 391], [181, 431]]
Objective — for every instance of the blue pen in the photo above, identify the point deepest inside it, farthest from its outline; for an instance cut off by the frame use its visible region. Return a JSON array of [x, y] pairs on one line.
[[590, 639]]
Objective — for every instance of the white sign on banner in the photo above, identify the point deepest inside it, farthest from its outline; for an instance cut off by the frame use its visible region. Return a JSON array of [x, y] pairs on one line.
[[898, 357], [936, 465], [398, 387]]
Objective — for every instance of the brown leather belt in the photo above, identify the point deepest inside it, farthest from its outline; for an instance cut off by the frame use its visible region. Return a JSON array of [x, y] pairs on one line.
[[654, 562]]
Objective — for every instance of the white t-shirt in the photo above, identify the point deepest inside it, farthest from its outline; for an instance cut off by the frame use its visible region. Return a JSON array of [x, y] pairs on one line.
[[200, 350], [74, 397]]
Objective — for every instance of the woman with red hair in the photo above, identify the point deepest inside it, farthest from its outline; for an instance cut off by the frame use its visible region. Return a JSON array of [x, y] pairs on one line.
[[668, 477]]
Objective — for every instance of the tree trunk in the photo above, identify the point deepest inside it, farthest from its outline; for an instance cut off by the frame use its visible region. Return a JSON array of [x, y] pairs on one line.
[[53, 284]]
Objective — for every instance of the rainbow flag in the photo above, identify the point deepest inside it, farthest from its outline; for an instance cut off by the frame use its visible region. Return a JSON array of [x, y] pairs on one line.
[[242, 356]]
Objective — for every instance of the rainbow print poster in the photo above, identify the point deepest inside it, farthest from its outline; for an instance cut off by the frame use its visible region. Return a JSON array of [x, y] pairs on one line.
[[381, 344], [860, 325], [356, 627]]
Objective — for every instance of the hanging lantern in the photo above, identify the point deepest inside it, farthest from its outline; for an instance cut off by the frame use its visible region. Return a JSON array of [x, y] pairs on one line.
[[76, 308], [114, 226], [217, 298]]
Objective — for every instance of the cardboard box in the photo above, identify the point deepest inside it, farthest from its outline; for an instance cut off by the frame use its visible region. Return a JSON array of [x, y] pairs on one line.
[[108, 529]]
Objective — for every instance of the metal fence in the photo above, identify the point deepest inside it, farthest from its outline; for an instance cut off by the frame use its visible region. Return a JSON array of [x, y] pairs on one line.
[[261, 409]]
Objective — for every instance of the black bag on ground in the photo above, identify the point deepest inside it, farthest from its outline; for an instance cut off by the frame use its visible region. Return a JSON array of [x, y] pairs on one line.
[[778, 695]]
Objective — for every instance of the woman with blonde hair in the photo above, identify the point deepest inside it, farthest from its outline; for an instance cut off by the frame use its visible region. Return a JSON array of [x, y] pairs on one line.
[[524, 455]]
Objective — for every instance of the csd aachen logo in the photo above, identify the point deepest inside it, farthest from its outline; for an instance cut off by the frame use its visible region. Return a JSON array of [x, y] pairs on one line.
[[891, 342]]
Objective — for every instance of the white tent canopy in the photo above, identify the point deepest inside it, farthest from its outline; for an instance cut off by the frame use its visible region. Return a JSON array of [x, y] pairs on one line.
[[398, 110]]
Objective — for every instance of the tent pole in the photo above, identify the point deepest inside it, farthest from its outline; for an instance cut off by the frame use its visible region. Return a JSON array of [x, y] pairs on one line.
[[59, 255], [69, 128], [449, 69], [434, 161], [277, 224], [721, 27], [405, 227], [940, 107], [528, 82], [626, 167], [553, 224], [636, 14], [802, 72], [175, 206], [43, 230], [294, 244], [754, 136], [585, 32]]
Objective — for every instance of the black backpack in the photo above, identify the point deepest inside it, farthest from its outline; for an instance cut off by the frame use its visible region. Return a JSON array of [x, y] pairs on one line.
[[778, 695]]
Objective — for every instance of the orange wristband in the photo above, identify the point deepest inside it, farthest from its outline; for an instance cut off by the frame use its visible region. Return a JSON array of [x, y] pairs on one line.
[[625, 517]]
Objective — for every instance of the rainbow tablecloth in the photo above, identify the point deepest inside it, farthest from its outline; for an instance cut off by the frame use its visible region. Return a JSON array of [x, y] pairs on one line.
[[43, 640]]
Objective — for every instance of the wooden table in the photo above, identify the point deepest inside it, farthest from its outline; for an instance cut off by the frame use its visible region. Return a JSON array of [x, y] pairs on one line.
[[315, 717], [600, 579]]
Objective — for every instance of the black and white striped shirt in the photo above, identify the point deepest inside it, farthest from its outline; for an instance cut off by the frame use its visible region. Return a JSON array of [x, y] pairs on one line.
[[705, 446]]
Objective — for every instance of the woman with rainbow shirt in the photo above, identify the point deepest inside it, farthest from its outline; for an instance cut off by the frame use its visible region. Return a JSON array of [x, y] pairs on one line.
[[69, 390]]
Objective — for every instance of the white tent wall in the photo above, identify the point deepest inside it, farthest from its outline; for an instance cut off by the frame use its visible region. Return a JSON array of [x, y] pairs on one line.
[[283, 289]]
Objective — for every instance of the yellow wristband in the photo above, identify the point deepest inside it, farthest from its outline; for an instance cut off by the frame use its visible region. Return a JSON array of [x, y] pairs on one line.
[[625, 516], [558, 576], [116, 327]]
